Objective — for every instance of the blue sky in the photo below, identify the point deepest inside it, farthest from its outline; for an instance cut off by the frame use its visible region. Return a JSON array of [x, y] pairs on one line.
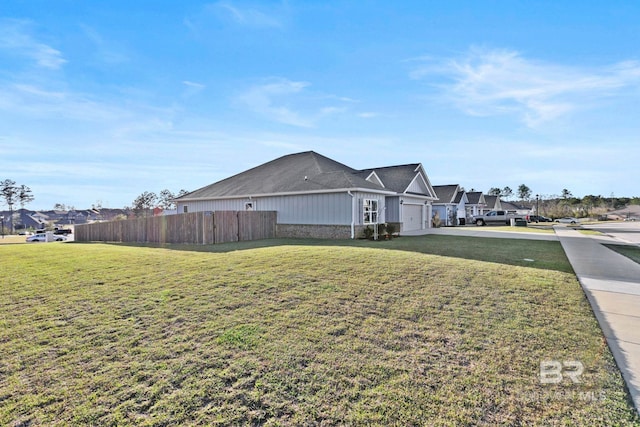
[[103, 100]]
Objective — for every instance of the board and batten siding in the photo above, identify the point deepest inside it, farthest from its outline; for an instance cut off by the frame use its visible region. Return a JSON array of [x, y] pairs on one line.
[[312, 209], [392, 211], [323, 208]]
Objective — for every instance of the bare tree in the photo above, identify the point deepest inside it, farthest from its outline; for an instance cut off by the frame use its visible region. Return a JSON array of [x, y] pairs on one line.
[[166, 199], [9, 192], [25, 195], [507, 192], [144, 203], [524, 192]]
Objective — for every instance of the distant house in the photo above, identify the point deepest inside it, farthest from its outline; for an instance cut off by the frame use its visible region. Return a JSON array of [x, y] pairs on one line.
[[517, 209], [493, 203], [451, 204], [315, 196], [476, 204], [23, 219]]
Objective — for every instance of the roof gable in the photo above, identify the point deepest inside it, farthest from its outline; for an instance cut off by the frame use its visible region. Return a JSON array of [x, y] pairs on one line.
[[409, 178], [476, 198], [373, 177], [493, 202], [447, 193], [461, 196]]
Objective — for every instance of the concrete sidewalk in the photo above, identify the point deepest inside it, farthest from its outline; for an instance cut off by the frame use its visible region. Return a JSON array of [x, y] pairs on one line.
[[611, 282]]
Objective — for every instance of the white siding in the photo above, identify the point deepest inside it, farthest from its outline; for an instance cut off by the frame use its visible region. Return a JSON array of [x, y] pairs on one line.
[[417, 186]]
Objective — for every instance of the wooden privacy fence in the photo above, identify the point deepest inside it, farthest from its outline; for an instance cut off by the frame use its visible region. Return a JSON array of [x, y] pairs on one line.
[[202, 228]]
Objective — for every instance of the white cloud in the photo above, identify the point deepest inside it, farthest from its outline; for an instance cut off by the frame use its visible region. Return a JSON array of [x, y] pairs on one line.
[[193, 84], [105, 50], [248, 16], [38, 102], [16, 37], [487, 82], [291, 102], [262, 100]]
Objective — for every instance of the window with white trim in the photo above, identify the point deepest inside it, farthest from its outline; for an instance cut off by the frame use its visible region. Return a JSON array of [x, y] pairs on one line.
[[370, 211]]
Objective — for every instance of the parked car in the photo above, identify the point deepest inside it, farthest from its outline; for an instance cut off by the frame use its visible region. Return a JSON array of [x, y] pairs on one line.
[[42, 237], [539, 218], [496, 217], [568, 220]]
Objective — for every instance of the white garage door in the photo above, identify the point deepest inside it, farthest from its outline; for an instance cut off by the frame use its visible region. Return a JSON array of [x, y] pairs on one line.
[[411, 217]]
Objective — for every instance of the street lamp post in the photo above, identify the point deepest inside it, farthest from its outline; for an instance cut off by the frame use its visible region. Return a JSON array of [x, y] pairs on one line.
[[537, 208]]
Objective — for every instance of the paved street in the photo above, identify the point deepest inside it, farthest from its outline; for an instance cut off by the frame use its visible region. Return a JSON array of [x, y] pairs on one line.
[[625, 231]]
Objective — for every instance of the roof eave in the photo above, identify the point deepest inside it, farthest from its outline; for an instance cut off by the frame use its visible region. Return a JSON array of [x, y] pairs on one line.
[[290, 193]]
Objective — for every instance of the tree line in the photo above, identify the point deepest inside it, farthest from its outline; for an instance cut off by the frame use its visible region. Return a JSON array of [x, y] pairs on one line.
[[565, 204], [147, 201], [11, 194]]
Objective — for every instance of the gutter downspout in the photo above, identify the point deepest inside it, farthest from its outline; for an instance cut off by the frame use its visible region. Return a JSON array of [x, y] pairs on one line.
[[353, 215]]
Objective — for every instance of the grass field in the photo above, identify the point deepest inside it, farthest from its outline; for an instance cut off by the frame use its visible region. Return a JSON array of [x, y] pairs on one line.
[[631, 252], [433, 330]]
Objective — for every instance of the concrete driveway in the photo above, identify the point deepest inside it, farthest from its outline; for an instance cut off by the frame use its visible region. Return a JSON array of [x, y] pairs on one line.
[[473, 231]]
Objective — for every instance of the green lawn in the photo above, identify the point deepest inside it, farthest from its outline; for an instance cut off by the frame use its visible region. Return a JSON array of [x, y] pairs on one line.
[[433, 330], [631, 252]]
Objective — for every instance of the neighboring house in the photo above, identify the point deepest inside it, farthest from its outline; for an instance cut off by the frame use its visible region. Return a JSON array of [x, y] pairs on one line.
[[22, 219], [493, 203], [476, 204], [517, 209], [315, 196], [451, 204]]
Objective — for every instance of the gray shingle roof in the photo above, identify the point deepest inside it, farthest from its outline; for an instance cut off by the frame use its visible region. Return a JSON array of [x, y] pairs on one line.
[[491, 200], [475, 197], [301, 172], [396, 178], [446, 193]]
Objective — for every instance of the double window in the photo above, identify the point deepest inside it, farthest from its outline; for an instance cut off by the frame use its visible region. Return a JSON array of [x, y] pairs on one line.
[[370, 211]]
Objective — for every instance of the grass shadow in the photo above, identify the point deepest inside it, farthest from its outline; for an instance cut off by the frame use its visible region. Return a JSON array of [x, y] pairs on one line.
[[547, 255], [631, 252]]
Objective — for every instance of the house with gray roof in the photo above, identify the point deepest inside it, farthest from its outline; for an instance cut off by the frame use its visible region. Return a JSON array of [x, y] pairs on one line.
[[315, 196], [476, 204], [450, 208], [493, 203]]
